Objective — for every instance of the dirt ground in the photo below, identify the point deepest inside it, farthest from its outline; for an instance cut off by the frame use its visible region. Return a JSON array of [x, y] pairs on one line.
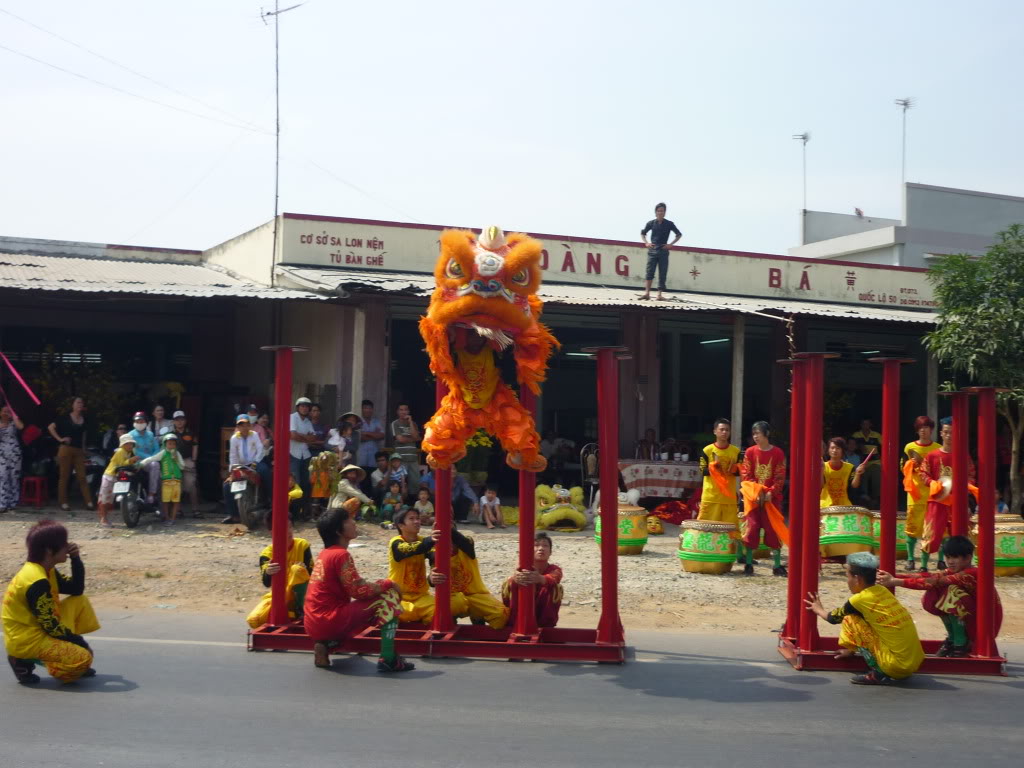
[[203, 567]]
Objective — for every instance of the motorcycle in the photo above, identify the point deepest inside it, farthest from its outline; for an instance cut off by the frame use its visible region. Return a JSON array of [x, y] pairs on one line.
[[131, 496], [245, 483]]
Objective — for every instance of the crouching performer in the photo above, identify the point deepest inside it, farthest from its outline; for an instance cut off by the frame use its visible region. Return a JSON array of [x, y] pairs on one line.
[[407, 568], [38, 625], [480, 604], [951, 595], [548, 579], [298, 565], [340, 603], [874, 623]]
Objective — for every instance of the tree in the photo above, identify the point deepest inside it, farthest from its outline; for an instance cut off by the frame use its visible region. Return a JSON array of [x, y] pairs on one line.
[[980, 328]]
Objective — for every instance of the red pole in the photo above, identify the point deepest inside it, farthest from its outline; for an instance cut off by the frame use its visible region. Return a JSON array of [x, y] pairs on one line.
[[814, 383], [443, 549], [985, 634], [890, 457], [279, 498], [609, 627], [794, 599], [526, 614], [961, 448]]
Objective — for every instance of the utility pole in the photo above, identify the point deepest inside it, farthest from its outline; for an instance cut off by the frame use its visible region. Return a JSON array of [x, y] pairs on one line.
[[906, 104], [276, 13], [803, 138]]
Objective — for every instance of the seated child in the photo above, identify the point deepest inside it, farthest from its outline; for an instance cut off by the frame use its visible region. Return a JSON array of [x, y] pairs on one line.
[[392, 500], [299, 564], [424, 506], [481, 606], [398, 472], [490, 508], [294, 498], [348, 488], [122, 457], [407, 568], [951, 595], [873, 623], [548, 579]]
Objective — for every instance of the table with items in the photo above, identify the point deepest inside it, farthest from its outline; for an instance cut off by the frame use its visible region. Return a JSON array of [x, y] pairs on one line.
[[661, 479]]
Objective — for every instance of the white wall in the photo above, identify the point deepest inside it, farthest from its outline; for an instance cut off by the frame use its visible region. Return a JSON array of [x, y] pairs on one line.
[[821, 225], [248, 255], [960, 211]]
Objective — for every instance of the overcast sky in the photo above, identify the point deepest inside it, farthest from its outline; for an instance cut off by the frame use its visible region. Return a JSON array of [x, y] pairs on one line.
[[556, 117]]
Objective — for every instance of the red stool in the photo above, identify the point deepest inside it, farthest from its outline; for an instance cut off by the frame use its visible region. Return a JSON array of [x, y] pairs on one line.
[[33, 491]]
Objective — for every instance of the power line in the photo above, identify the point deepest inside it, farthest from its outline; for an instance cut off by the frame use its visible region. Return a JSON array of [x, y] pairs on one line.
[[128, 69], [133, 94]]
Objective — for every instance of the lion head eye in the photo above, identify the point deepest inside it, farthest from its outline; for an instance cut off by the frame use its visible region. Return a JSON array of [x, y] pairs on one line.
[[522, 277], [454, 269]]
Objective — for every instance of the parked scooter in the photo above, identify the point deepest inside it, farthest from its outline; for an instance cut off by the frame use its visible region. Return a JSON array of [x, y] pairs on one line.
[[131, 495], [244, 485]]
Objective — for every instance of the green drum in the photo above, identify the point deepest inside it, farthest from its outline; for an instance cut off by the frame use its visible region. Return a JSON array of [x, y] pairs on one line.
[[632, 529], [706, 546], [1009, 559], [901, 533], [845, 530]]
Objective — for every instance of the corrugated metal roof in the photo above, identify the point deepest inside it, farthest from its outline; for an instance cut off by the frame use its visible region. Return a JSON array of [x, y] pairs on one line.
[[357, 281], [32, 272]]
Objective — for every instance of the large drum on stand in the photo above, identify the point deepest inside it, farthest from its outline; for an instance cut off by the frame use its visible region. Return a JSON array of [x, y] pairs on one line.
[[845, 530], [706, 546], [901, 533], [1009, 551], [632, 528]]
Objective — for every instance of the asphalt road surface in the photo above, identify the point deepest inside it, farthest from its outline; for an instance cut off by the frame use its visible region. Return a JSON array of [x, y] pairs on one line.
[[183, 692]]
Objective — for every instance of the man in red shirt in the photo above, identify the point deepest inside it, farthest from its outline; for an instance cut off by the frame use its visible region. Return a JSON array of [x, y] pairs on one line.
[[950, 595], [765, 465], [939, 464]]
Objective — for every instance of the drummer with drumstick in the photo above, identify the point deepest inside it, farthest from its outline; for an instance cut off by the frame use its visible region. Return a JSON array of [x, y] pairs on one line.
[[939, 468], [836, 475]]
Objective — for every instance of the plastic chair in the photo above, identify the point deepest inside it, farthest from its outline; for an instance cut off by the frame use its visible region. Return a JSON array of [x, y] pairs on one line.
[[33, 491]]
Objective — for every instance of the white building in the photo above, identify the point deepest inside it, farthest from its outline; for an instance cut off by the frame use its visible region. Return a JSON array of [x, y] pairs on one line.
[[936, 221]]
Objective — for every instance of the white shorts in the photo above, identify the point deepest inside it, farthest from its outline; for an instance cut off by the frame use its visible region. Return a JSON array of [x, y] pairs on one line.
[[107, 489]]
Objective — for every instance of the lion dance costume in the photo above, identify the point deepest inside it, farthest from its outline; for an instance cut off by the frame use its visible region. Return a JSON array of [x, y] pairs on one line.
[[485, 301]]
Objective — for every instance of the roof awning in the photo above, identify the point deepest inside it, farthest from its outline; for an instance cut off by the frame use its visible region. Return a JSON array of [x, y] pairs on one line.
[[31, 272], [338, 281]]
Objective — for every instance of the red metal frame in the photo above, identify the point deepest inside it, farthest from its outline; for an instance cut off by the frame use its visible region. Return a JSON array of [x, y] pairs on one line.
[[890, 457], [794, 598], [959, 521], [522, 640], [800, 644]]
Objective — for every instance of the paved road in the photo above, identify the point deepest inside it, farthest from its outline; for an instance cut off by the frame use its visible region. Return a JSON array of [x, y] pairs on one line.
[[182, 692]]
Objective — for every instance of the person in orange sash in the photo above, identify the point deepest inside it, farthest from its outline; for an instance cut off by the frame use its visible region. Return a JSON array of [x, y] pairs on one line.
[[951, 595], [719, 463], [763, 473], [938, 466]]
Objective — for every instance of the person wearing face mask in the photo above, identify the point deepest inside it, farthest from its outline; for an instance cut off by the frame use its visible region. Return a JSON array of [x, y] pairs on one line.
[[146, 445]]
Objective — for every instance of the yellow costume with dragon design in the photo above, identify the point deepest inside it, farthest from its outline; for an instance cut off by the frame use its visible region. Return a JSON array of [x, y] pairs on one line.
[[485, 301]]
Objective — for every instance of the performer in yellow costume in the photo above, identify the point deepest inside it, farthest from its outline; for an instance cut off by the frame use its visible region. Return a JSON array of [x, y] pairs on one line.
[[719, 463], [38, 625], [483, 607], [407, 568], [875, 624], [836, 474], [298, 565], [916, 482]]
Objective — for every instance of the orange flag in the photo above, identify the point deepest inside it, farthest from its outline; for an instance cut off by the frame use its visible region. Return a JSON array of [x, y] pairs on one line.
[[751, 491], [722, 481]]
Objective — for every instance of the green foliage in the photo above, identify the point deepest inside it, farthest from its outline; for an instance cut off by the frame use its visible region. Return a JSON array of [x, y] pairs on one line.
[[59, 382]]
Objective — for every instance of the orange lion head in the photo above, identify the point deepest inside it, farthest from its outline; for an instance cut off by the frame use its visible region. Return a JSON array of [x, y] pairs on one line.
[[488, 283]]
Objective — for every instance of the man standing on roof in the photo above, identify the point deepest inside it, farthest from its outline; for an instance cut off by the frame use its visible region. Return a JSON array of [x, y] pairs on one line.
[[657, 249]]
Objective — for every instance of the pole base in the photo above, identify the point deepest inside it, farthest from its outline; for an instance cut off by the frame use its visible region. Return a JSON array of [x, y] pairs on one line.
[[824, 659], [466, 641]]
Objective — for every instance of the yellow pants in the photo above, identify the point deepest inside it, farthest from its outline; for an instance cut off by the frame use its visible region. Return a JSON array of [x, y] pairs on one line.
[[170, 491], [719, 512], [297, 575], [66, 661], [857, 634], [486, 606], [915, 520], [421, 608]]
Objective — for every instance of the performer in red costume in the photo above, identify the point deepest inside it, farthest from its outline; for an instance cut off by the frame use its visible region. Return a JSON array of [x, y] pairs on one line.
[[763, 473], [951, 595], [939, 465]]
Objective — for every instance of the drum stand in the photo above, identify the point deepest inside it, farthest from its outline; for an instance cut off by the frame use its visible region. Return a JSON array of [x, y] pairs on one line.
[[445, 638], [800, 643]]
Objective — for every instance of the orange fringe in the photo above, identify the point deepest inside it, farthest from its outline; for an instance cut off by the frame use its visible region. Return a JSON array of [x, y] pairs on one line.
[[751, 491]]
